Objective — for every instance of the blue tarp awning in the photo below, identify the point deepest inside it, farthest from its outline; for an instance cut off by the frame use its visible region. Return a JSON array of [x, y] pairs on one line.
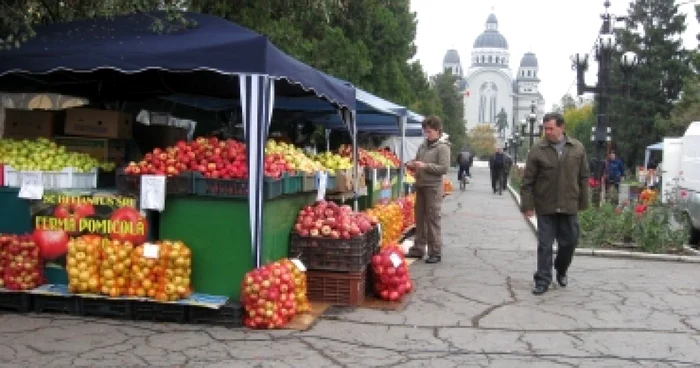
[[65, 52]]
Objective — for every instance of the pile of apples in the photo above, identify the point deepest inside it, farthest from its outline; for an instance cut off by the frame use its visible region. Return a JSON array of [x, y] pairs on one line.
[[364, 158], [163, 275], [407, 205], [382, 159], [269, 296], [83, 264], [20, 263], [294, 158], [391, 217], [115, 267], [391, 278], [300, 286], [213, 158], [332, 162], [43, 155], [327, 219], [390, 156]]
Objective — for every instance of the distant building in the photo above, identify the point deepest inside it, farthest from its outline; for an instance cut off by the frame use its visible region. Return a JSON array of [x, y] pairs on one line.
[[488, 86]]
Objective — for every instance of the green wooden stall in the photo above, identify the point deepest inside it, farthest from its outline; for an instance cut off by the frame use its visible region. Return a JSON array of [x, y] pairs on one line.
[[217, 231]]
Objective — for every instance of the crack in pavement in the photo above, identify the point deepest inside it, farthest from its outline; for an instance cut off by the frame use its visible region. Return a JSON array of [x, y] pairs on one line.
[[477, 319], [323, 353]]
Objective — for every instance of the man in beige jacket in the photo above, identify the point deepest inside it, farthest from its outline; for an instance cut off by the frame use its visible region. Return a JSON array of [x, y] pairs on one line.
[[431, 163]]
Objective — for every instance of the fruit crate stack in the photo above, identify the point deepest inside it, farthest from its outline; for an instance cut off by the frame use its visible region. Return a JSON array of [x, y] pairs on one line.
[[68, 178], [336, 261]]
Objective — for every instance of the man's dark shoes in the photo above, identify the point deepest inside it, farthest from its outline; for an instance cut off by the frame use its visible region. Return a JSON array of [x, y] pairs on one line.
[[433, 259], [562, 280], [540, 289]]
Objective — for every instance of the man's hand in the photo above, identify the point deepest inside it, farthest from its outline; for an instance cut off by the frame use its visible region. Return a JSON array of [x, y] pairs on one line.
[[529, 213]]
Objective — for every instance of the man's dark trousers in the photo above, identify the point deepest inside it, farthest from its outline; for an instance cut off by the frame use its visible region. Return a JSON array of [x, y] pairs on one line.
[[496, 172], [565, 230]]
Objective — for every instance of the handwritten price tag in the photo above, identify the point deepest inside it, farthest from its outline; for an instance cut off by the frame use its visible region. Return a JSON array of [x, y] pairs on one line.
[[151, 250], [153, 192], [395, 259], [299, 265], [32, 185], [322, 180]]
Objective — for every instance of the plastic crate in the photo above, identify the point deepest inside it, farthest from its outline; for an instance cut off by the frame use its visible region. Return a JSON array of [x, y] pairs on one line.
[[228, 315], [68, 178], [291, 183], [308, 183], [338, 288], [16, 301], [346, 255], [56, 304], [162, 312], [331, 183], [230, 188], [272, 188], [174, 185], [102, 307]]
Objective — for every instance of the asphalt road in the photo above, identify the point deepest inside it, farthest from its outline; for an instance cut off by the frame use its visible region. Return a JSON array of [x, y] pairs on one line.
[[475, 309]]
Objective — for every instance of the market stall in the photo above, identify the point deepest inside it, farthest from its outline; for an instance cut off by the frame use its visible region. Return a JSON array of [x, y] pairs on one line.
[[205, 226]]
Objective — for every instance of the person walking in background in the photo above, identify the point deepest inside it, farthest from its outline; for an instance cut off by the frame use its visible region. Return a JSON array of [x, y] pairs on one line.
[[555, 188], [614, 171], [506, 170], [431, 163], [497, 165], [464, 162]]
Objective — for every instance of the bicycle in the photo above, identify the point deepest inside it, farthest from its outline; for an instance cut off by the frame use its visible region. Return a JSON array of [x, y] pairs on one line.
[[463, 183]]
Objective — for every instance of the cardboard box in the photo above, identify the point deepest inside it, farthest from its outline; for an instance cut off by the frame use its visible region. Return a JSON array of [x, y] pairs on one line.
[[31, 124], [103, 149], [345, 180], [99, 123]]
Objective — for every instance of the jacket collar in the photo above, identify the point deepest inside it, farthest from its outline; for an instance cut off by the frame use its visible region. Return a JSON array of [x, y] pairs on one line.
[[545, 143]]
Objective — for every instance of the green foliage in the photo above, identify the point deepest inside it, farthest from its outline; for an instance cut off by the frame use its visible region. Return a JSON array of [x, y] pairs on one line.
[[482, 140], [654, 30], [654, 231], [452, 110]]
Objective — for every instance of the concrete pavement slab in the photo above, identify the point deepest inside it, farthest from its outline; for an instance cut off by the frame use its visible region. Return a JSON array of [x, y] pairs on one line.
[[475, 309]]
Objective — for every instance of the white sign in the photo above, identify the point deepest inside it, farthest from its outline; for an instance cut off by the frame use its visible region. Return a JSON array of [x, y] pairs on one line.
[[32, 185], [151, 250], [153, 192], [395, 259], [299, 264], [322, 183]]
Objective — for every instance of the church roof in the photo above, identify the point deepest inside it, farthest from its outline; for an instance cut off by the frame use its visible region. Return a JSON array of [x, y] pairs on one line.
[[529, 60], [451, 57], [491, 38]]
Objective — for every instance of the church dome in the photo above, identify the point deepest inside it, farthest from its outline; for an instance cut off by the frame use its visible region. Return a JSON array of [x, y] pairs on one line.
[[451, 57], [491, 38], [529, 60]]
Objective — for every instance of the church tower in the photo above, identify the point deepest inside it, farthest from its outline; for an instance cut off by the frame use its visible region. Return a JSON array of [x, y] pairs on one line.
[[451, 62]]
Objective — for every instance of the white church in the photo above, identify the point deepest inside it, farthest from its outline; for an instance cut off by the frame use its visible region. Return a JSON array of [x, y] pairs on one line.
[[488, 87]]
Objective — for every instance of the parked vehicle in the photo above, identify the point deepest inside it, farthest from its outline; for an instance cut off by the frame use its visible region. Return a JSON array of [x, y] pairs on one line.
[[688, 191]]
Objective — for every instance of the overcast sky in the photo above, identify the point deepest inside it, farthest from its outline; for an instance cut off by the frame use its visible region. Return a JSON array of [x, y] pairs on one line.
[[552, 29]]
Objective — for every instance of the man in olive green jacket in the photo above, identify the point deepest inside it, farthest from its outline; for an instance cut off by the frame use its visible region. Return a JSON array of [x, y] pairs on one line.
[[555, 188], [431, 163]]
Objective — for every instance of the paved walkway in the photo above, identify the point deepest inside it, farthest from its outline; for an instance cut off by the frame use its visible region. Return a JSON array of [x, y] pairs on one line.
[[473, 310]]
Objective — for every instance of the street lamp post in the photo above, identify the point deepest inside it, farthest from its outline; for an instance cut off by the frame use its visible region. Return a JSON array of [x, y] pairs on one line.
[[531, 119], [603, 54]]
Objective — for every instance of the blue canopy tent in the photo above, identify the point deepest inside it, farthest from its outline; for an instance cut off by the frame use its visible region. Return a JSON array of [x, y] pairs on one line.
[[120, 58]]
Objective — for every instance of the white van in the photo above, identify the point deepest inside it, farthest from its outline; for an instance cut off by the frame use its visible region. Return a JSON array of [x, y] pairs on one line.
[[688, 193]]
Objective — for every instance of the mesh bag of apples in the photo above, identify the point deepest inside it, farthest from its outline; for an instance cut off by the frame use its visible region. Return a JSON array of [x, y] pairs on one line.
[[391, 278], [273, 294], [20, 264], [161, 271]]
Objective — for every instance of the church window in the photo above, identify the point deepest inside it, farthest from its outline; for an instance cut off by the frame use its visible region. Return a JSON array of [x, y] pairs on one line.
[[488, 102], [528, 73], [489, 59]]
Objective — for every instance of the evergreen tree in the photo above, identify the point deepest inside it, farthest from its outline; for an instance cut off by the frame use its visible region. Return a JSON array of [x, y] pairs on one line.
[[654, 30], [452, 110]]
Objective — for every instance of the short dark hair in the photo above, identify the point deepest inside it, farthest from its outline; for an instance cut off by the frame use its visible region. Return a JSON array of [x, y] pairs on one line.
[[557, 117], [432, 122]]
